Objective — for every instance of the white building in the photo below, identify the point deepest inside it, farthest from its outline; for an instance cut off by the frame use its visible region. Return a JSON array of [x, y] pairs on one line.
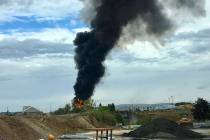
[[31, 110]]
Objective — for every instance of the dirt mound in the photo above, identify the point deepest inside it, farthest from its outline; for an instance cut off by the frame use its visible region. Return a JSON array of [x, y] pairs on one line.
[[13, 129], [65, 124], [163, 128], [35, 127]]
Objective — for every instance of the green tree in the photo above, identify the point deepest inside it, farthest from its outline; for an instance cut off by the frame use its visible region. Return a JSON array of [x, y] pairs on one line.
[[65, 110], [111, 107], [201, 110], [106, 114]]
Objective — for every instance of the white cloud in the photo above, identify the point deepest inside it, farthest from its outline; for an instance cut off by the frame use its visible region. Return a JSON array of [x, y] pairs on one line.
[[56, 35], [13, 49], [53, 35], [34, 69], [143, 49], [43, 10]]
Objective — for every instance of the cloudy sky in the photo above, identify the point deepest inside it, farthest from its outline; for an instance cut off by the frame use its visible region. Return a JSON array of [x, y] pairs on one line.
[[37, 65]]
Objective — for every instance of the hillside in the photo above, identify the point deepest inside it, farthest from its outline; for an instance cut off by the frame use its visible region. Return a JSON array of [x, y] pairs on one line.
[[35, 127]]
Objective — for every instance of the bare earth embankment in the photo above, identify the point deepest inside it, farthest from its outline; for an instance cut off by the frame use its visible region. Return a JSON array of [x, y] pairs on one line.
[[35, 127]]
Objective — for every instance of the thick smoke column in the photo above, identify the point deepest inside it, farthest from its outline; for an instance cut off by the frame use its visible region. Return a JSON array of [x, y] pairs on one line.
[[111, 16]]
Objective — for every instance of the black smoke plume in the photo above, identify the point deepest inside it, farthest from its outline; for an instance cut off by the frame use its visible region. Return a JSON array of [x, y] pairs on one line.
[[111, 16]]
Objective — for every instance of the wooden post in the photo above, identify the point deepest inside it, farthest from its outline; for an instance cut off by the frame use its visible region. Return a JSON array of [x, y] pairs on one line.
[[107, 134], [96, 134], [101, 131], [111, 135], [101, 134]]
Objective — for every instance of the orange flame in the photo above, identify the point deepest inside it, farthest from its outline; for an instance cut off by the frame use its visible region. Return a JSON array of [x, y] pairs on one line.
[[79, 103]]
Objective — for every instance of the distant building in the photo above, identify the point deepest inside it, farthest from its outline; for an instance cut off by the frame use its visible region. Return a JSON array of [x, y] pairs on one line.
[[31, 110]]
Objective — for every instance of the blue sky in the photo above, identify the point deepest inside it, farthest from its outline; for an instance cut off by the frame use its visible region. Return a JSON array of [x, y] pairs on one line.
[[38, 69]]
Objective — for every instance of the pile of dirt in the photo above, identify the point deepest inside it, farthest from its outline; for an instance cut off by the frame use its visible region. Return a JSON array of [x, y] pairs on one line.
[[163, 128], [13, 129], [64, 124], [35, 126]]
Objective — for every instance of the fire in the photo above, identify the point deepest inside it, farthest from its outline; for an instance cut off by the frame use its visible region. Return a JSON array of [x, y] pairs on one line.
[[78, 103]]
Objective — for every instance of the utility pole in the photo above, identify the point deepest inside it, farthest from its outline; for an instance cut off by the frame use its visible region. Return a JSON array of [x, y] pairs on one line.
[[7, 111], [172, 100], [50, 109]]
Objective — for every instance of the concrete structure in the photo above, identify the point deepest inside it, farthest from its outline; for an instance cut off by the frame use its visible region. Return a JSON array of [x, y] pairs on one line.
[[31, 110]]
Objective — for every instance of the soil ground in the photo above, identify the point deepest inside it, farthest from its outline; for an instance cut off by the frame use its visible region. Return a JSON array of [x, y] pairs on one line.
[[35, 127]]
